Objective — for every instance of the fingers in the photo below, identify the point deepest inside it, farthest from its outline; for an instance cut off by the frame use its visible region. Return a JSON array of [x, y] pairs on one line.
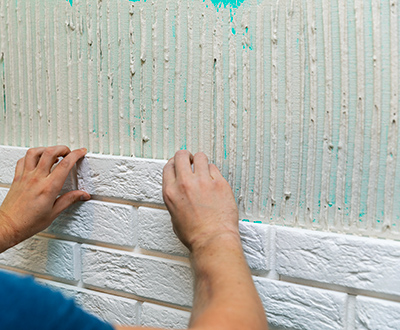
[[214, 172], [169, 173], [19, 168], [183, 164], [200, 164], [32, 158], [60, 173], [67, 200], [50, 156]]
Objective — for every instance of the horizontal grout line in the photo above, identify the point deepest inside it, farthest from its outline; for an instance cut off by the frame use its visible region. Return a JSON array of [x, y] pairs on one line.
[[340, 288], [134, 249], [135, 297], [121, 294], [39, 275], [127, 202], [114, 200]]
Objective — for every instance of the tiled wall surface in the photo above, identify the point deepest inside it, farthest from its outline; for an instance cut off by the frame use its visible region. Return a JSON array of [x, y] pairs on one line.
[[119, 258]]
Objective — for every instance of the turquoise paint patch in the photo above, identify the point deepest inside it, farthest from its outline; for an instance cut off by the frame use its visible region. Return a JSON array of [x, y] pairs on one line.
[[232, 3]]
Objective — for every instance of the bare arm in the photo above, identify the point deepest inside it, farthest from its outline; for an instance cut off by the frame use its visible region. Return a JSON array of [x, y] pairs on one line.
[[205, 218]]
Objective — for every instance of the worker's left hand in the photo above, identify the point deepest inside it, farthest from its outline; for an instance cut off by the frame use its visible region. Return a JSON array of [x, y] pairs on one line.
[[32, 202]]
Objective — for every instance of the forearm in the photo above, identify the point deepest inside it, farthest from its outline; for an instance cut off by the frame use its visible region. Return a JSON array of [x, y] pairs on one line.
[[225, 295], [7, 233]]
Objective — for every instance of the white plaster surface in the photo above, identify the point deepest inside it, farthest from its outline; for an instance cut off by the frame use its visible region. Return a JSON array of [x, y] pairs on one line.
[[295, 101]]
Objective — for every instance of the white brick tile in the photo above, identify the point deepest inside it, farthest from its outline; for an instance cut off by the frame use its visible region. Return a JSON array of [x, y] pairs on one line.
[[3, 193], [8, 160], [145, 276], [112, 309], [105, 222], [376, 314], [43, 256], [156, 233], [159, 316], [297, 307], [115, 310], [133, 179], [254, 241], [350, 261]]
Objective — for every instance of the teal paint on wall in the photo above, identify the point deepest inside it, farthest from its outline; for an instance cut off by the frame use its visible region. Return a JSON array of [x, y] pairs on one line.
[[232, 3], [135, 80]]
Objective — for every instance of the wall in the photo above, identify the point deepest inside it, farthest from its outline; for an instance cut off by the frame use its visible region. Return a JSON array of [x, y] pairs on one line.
[[118, 256], [296, 101]]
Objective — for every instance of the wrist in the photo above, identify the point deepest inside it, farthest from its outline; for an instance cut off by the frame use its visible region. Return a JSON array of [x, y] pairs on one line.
[[217, 242], [8, 232]]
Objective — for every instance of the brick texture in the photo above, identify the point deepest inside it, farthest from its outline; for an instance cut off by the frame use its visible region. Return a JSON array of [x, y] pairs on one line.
[[44, 256], [113, 247], [293, 306], [159, 316], [376, 314], [104, 222], [154, 278], [131, 179], [356, 262]]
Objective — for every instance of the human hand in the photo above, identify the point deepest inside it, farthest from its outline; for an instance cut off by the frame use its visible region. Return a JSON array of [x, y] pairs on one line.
[[32, 204], [201, 202]]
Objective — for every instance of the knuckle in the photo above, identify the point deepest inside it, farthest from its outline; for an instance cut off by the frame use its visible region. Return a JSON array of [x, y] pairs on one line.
[[48, 189], [31, 152], [183, 186], [200, 155], [49, 152], [168, 192], [65, 163], [182, 153]]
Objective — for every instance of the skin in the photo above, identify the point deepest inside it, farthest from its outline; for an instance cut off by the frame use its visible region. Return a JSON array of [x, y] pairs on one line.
[[32, 202], [204, 217]]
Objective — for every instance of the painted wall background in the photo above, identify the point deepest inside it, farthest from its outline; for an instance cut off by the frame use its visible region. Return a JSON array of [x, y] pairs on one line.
[[296, 101]]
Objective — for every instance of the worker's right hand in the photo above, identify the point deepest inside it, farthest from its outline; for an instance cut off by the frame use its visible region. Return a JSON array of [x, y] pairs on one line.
[[200, 201], [32, 202]]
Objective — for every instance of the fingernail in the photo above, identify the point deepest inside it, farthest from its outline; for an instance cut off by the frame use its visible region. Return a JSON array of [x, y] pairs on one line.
[[84, 198], [84, 149]]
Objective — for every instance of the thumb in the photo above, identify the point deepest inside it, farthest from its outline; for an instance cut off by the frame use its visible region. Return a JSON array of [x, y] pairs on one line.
[[68, 199]]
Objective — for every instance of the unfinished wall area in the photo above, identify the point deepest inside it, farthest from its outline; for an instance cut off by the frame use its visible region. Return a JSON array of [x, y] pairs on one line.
[[118, 257], [296, 101]]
